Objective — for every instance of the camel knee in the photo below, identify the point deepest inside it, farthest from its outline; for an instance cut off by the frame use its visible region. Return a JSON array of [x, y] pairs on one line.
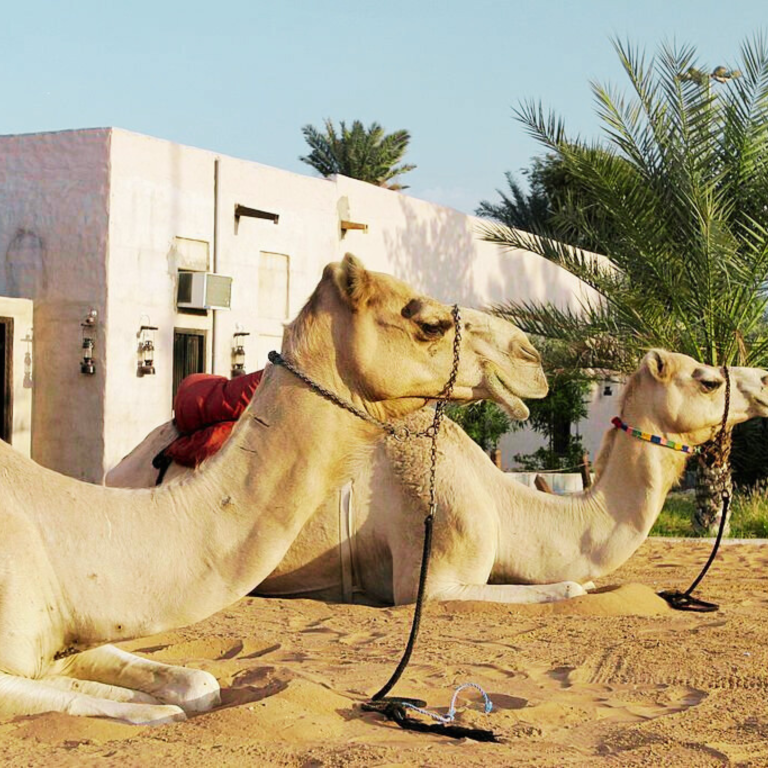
[[191, 689]]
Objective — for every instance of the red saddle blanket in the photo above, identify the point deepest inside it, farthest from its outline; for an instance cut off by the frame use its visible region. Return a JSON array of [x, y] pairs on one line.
[[206, 408]]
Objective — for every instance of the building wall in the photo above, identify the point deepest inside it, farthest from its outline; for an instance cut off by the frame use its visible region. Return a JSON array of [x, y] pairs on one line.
[[54, 202], [161, 219], [104, 219], [20, 311], [439, 251]]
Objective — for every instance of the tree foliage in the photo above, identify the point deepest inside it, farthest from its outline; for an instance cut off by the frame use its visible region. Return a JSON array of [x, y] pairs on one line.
[[554, 415], [483, 421], [675, 195], [367, 154]]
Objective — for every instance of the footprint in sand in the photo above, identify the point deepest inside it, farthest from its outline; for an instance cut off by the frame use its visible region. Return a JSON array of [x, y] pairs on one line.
[[361, 638], [606, 686]]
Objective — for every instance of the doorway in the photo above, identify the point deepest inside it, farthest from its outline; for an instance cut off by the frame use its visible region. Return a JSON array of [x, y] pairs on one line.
[[6, 378], [188, 355]]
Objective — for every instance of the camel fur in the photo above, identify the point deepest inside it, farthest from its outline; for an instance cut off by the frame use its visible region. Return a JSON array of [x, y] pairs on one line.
[[496, 539], [83, 566]]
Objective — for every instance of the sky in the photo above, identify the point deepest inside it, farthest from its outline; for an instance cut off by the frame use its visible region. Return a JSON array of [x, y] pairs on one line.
[[242, 78]]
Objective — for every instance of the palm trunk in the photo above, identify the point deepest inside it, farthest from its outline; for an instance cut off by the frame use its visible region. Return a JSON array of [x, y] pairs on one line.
[[713, 476]]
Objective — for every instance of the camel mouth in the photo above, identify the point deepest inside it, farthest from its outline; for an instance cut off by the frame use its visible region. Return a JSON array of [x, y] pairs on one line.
[[762, 403], [503, 393]]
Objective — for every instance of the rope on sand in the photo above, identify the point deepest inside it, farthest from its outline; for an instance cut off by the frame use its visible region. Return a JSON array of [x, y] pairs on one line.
[[450, 716]]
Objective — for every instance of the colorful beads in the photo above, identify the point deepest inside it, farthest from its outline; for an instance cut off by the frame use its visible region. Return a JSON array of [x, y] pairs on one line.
[[655, 439]]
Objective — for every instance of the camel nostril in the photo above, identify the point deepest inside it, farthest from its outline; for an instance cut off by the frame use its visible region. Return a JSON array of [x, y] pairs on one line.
[[765, 380]]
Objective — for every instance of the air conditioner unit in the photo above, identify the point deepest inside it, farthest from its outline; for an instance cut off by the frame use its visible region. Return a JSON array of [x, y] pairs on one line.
[[203, 290]]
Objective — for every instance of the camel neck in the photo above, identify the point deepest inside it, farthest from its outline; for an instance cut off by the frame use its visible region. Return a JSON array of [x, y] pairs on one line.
[[268, 483], [636, 478], [594, 532], [190, 548]]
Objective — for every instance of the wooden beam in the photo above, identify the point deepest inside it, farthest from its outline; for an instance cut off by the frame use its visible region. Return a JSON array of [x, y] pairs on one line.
[[347, 225], [255, 213]]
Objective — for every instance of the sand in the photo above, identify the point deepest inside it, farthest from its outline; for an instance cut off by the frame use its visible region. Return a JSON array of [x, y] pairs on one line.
[[611, 679]]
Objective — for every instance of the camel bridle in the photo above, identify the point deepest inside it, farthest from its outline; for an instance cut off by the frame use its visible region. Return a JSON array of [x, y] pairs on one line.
[[713, 453], [393, 707]]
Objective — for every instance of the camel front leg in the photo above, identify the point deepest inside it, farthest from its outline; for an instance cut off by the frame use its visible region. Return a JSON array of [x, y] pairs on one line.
[[100, 690], [24, 696], [191, 689], [508, 593]]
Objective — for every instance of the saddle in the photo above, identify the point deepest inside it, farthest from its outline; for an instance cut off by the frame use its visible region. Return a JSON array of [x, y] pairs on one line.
[[206, 408]]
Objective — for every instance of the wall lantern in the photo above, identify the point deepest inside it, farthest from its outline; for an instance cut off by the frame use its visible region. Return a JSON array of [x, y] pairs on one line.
[[146, 336], [607, 390], [27, 383], [238, 352], [88, 328]]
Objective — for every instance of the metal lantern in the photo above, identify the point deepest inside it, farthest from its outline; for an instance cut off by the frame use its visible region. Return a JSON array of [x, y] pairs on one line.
[[238, 353], [88, 329], [27, 383], [147, 350]]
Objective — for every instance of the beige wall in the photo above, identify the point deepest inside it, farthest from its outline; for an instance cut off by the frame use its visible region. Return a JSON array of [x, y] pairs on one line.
[[159, 192], [20, 311], [104, 219], [53, 241]]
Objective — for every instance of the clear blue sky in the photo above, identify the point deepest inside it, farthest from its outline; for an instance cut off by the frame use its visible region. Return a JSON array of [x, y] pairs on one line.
[[242, 78]]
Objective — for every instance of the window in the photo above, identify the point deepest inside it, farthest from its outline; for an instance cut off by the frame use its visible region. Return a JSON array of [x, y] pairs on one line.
[[188, 355], [274, 270]]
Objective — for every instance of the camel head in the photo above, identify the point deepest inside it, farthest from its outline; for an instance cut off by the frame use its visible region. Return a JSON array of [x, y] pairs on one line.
[[675, 394], [393, 348]]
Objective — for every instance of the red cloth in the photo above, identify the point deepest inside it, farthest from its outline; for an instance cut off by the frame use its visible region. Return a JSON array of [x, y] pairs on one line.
[[206, 408], [192, 450], [203, 399]]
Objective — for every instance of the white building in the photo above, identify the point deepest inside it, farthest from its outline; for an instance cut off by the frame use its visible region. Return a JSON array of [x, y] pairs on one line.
[[98, 224]]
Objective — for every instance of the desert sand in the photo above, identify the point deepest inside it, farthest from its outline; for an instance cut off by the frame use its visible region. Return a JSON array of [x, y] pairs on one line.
[[613, 678]]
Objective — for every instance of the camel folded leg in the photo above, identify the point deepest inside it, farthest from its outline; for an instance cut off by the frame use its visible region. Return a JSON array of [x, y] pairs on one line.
[[191, 689], [24, 696], [100, 690], [508, 593]]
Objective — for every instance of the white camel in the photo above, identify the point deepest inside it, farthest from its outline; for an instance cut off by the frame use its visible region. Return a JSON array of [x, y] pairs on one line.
[[82, 566], [494, 538]]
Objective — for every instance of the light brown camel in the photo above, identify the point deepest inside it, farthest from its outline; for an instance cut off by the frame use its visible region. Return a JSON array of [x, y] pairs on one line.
[[496, 539], [83, 565]]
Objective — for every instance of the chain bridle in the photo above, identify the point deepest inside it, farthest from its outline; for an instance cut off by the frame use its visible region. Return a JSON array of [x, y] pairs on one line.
[[399, 432], [393, 707]]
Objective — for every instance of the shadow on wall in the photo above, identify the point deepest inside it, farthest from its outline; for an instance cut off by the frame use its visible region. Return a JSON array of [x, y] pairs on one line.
[[24, 274], [434, 254], [444, 255]]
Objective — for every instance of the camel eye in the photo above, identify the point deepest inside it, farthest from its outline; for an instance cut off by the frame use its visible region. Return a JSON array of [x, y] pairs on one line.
[[432, 330], [710, 385]]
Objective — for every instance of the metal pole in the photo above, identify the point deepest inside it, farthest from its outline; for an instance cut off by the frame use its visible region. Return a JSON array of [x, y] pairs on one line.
[[215, 255]]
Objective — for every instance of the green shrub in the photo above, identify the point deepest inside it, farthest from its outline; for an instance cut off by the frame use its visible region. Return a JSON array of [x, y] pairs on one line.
[[749, 515]]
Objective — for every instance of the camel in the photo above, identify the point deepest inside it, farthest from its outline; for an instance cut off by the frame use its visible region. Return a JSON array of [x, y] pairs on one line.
[[494, 538], [84, 566]]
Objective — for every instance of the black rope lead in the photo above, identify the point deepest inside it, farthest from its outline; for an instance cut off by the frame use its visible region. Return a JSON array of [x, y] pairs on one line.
[[685, 601], [393, 707], [397, 674]]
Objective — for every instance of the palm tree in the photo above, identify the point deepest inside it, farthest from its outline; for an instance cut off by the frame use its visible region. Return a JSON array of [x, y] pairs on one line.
[[518, 208], [367, 154], [676, 197]]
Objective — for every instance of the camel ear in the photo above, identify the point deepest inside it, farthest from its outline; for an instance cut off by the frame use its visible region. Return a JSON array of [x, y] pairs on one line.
[[659, 364], [353, 281]]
